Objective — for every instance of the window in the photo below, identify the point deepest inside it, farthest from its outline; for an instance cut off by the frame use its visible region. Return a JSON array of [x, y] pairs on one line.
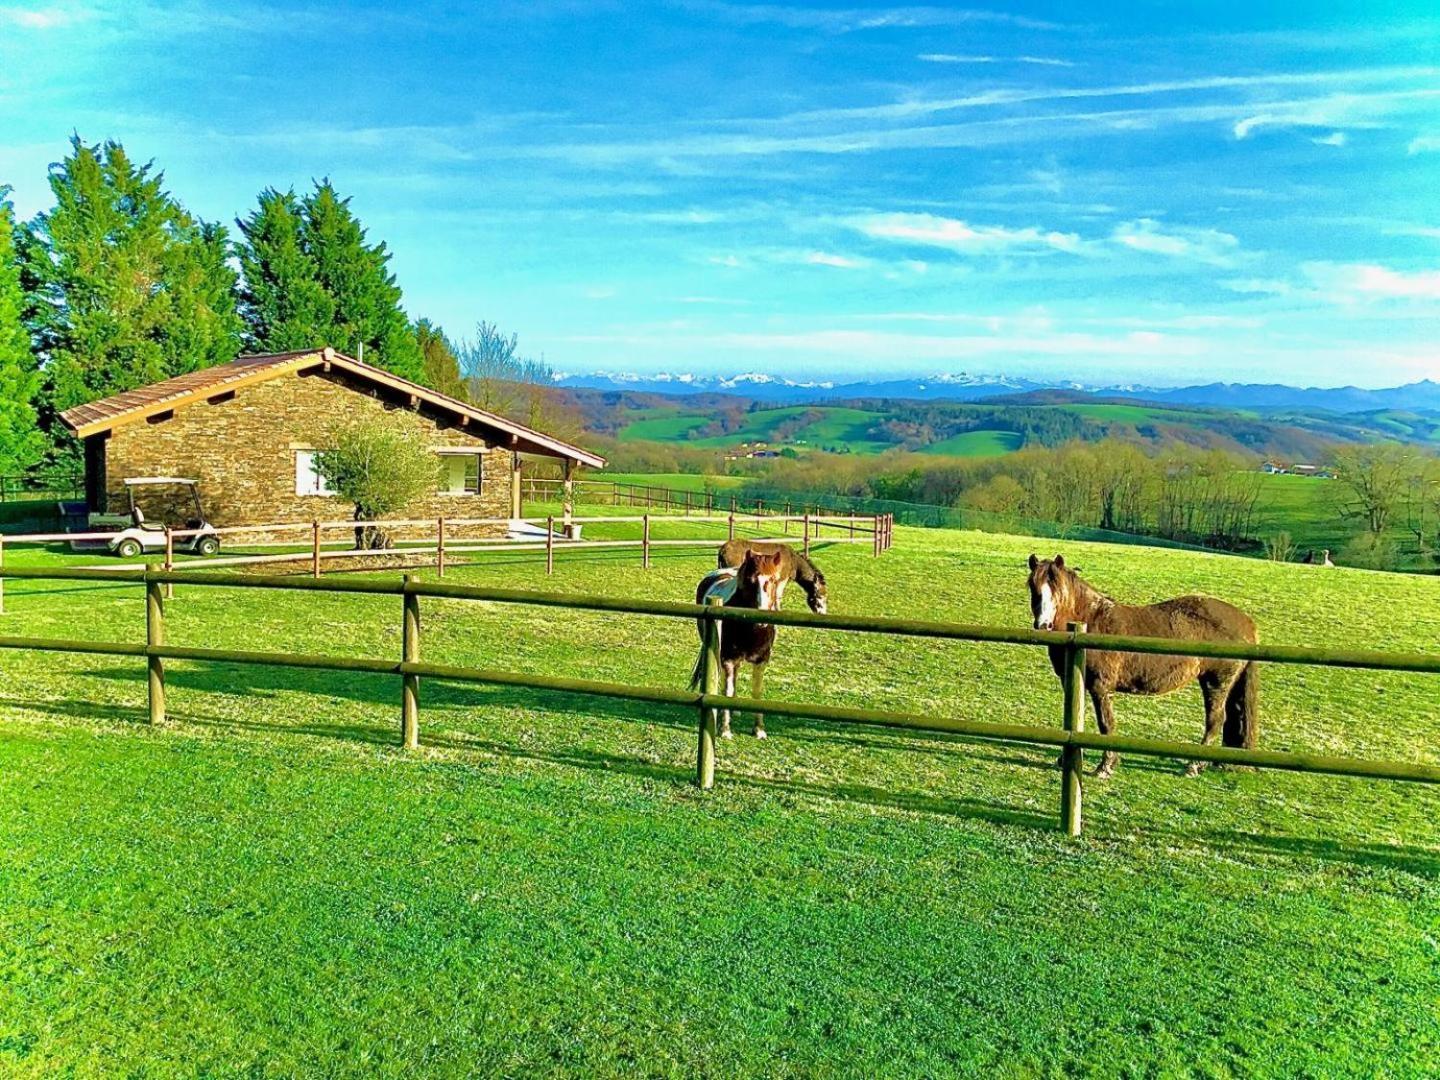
[[462, 474], [307, 480]]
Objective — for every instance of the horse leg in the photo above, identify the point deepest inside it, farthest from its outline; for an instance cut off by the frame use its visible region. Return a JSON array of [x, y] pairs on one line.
[[1215, 695], [757, 682], [729, 666], [1105, 718]]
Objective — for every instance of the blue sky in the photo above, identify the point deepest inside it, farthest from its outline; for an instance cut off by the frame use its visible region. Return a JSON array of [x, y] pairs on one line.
[[1138, 192]]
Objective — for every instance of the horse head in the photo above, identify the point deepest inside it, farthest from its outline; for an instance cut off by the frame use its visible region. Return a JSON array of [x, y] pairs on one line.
[[760, 578], [1052, 592]]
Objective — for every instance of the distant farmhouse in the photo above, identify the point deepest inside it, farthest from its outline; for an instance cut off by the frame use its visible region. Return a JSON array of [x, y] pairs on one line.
[[1276, 468], [248, 432]]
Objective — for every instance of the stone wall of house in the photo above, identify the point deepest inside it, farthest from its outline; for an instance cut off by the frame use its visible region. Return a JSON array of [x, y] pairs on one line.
[[241, 448]]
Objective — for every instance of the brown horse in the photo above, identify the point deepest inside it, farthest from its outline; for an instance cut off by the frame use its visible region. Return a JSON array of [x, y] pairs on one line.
[[756, 584], [794, 567], [1058, 596]]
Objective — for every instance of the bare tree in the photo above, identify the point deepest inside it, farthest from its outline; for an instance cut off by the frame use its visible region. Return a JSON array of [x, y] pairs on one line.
[[1373, 479]]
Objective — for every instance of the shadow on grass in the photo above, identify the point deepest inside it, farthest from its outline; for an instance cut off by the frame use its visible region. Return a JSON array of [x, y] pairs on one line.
[[1416, 860], [384, 690]]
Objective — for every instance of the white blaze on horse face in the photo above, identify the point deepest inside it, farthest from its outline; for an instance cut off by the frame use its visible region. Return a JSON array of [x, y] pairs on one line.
[[769, 593], [1045, 618]]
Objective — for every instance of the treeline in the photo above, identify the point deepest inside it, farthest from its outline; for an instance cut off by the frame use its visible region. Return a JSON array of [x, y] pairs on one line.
[[118, 285], [1181, 493], [914, 425]]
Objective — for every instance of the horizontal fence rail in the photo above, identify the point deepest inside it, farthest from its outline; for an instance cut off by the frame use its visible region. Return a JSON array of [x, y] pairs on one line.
[[552, 534], [1075, 644]]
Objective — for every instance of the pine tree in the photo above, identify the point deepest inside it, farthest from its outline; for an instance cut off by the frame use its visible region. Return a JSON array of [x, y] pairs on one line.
[[125, 286], [21, 443], [284, 305], [357, 277], [442, 367]]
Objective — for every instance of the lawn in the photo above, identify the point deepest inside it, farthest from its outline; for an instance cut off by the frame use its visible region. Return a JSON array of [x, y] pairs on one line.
[[267, 885]]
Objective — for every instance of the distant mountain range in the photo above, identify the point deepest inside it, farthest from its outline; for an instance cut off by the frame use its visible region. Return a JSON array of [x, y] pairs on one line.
[[1418, 396]]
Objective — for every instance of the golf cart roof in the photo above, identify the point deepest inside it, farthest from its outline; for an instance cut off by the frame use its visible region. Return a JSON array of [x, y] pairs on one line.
[[135, 481]]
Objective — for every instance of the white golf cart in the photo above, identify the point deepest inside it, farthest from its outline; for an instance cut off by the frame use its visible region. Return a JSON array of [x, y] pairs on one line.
[[135, 533]]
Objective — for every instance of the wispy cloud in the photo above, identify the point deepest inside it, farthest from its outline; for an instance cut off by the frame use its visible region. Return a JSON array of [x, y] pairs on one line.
[[52, 17], [957, 58], [1335, 138], [849, 20], [1203, 245], [1361, 282], [829, 258], [960, 236], [1424, 144]]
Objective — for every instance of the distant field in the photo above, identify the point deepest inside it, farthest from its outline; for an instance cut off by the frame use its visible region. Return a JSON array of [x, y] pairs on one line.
[[838, 428], [1136, 414], [978, 444]]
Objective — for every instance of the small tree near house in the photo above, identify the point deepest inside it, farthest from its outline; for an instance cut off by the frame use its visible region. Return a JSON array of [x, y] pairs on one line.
[[379, 464]]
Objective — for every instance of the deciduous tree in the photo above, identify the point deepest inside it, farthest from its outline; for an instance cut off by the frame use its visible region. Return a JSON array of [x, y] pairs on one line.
[[381, 464]]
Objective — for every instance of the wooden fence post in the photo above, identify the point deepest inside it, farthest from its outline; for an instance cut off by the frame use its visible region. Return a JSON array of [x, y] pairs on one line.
[[169, 561], [732, 525], [709, 684], [852, 524], [550, 544], [645, 541], [807, 533], [2, 580], [875, 537], [315, 549], [154, 638], [440, 547], [410, 684], [1072, 758]]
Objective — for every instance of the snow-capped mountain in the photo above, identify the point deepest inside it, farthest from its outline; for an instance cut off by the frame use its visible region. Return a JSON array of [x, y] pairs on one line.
[[963, 386]]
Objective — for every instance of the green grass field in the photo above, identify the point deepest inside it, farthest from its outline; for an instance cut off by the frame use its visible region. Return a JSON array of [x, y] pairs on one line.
[[267, 885], [838, 428], [977, 444]]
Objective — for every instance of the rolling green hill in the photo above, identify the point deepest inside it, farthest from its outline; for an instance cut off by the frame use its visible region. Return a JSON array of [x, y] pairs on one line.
[[267, 881]]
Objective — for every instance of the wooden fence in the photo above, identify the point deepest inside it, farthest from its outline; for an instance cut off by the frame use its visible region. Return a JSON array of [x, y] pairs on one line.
[[1071, 736], [443, 544]]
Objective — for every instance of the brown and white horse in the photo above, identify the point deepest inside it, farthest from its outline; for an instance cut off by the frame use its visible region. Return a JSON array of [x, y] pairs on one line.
[[756, 583], [1231, 688], [793, 567]]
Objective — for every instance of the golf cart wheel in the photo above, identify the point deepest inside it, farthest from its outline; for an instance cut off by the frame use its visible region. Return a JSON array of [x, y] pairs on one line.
[[128, 549], [208, 545]]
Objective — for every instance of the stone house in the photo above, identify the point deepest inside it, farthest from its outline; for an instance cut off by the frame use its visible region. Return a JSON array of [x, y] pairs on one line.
[[248, 432]]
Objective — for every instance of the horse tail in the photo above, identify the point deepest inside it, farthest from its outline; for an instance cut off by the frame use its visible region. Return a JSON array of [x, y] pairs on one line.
[[697, 676], [1242, 709]]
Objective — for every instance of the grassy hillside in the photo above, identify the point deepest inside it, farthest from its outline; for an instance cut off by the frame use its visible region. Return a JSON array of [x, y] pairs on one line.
[[833, 427], [267, 882], [978, 444]]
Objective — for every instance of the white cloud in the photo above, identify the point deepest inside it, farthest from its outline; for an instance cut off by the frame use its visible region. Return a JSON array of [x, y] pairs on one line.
[[962, 237], [826, 258], [849, 20], [962, 58], [1178, 242], [1424, 144], [1349, 283], [1335, 138], [47, 18], [730, 261]]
